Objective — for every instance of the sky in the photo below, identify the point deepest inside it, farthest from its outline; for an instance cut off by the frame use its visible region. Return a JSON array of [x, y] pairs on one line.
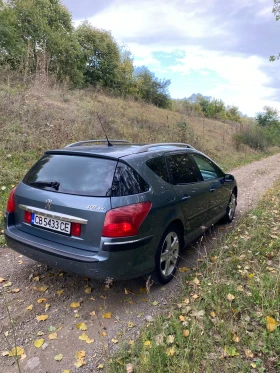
[[219, 48]]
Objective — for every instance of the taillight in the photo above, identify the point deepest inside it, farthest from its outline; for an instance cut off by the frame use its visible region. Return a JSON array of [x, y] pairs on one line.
[[11, 206], [125, 221], [76, 229], [27, 217]]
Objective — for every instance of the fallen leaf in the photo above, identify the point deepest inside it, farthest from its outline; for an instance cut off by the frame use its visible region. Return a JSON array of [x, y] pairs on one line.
[[196, 281], [53, 336], [171, 351], [100, 366], [129, 368], [75, 304], [183, 269], [126, 291], [58, 357], [114, 340], [2, 279], [213, 314], [92, 313], [47, 306], [131, 324], [41, 300], [271, 324], [88, 290], [15, 290], [66, 371], [147, 343], [81, 354], [16, 351], [39, 342], [143, 290], [240, 288], [51, 328], [81, 326], [182, 318], [79, 363], [5, 353], [43, 288], [155, 303], [231, 351], [29, 308], [42, 317], [7, 284], [60, 291], [198, 314], [230, 297], [170, 339], [235, 338], [37, 278], [107, 315], [249, 353], [186, 333]]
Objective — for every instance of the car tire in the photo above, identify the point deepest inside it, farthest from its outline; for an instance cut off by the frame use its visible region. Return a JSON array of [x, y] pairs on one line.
[[167, 255], [231, 208]]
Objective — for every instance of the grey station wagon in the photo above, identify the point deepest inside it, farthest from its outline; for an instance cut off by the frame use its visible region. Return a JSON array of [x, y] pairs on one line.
[[115, 209]]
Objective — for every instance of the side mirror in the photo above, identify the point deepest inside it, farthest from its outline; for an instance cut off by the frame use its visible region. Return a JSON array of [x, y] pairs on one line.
[[228, 178]]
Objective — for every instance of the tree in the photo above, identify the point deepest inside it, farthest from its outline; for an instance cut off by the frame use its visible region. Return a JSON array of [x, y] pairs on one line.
[[150, 88], [269, 117], [38, 36], [100, 55], [276, 11]]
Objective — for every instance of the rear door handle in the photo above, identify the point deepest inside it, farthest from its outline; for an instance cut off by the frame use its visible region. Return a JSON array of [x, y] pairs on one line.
[[186, 197]]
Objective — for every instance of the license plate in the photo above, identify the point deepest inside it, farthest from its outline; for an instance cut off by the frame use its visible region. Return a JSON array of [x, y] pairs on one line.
[[52, 224]]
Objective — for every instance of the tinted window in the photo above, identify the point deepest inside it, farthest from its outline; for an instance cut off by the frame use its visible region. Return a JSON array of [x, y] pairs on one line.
[[158, 166], [73, 174], [127, 181], [181, 169], [207, 169]]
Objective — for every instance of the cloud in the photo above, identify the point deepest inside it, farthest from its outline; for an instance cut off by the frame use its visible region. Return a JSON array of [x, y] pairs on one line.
[[231, 40]]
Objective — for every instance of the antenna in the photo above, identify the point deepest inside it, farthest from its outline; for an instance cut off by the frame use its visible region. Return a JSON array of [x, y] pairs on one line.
[[98, 116]]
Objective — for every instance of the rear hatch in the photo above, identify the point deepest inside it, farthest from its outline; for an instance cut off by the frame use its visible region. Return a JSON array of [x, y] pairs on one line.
[[64, 198]]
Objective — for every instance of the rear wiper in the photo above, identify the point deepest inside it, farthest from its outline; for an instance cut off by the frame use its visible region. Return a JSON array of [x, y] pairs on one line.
[[49, 184]]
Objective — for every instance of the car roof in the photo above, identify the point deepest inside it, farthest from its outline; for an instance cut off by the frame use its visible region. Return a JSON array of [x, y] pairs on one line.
[[117, 149]]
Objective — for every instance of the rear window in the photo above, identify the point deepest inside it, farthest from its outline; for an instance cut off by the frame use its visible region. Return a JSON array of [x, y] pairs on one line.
[[73, 174]]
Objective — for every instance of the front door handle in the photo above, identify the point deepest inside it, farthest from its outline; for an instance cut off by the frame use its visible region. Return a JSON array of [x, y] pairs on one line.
[[212, 190], [186, 197]]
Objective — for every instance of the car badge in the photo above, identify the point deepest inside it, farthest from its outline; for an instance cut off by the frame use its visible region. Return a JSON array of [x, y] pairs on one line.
[[48, 204]]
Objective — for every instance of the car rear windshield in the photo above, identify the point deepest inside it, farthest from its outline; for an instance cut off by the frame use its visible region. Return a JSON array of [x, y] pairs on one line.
[[71, 174]]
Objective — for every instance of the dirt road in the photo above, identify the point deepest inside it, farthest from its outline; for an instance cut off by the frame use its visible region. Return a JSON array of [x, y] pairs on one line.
[[126, 304]]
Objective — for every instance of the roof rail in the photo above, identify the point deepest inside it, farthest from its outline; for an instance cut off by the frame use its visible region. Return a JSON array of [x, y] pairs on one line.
[[145, 148], [95, 141]]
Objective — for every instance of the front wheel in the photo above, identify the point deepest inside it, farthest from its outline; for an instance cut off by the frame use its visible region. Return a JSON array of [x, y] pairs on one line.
[[167, 255], [231, 208]]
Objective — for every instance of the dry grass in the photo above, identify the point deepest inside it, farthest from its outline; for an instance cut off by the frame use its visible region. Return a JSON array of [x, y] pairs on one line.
[[37, 115]]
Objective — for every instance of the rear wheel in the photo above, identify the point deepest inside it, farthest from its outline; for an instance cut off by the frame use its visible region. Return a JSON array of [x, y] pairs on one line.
[[231, 208], [167, 255]]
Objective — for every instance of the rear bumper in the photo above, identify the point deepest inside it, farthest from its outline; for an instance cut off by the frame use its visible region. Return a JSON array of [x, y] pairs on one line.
[[120, 260]]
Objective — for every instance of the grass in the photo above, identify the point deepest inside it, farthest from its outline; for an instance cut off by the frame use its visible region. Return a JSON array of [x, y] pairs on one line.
[[35, 116], [222, 321]]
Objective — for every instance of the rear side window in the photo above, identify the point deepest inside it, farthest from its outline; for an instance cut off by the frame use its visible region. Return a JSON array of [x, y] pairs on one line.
[[71, 174], [158, 166], [127, 181], [181, 169]]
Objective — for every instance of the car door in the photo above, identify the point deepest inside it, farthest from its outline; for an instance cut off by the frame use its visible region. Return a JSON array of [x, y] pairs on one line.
[[212, 177], [193, 195]]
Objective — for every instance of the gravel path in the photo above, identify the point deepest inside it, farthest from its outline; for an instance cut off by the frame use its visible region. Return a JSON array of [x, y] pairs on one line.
[[127, 300]]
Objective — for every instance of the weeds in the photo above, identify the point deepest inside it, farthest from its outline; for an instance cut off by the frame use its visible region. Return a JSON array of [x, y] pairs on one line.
[[222, 320]]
